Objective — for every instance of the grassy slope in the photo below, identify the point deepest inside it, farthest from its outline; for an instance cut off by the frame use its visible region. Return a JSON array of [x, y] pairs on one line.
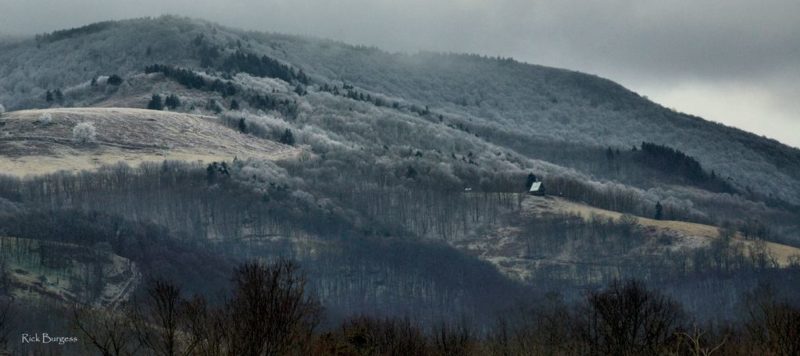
[[505, 246], [691, 233], [29, 146]]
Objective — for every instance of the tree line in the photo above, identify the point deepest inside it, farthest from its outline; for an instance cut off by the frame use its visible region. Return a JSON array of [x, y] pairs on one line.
[[192, 80], [676, 163], [262, 67], [268, 310], [226, 88], [73, 32]]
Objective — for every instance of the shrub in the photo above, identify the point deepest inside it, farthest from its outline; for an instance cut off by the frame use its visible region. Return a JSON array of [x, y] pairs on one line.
[[84, 132]]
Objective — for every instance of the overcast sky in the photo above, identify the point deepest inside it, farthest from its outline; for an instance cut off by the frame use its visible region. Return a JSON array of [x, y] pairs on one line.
[[731, 61]]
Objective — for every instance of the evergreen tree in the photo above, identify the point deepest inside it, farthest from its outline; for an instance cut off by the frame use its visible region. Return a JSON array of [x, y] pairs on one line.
[[234, 105], [114, 80], [287, 138], [155, 103], [531, 179], [242, 126], [659, 211], [411, 173], [172, 101]]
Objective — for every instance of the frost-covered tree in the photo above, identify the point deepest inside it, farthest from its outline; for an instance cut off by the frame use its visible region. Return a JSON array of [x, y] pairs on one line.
[[84, 132], [2, 109], [212, 105], [46, 119]]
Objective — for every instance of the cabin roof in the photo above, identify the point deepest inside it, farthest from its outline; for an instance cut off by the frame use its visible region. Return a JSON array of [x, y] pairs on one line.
[[535, 186]]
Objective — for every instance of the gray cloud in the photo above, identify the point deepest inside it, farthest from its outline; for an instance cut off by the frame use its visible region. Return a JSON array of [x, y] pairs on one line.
[[726, 50]]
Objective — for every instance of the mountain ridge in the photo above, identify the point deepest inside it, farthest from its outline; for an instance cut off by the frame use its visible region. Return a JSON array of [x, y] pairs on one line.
[[545, 102]]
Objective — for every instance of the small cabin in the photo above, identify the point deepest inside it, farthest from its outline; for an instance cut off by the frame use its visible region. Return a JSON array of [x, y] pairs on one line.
[[537, 188]]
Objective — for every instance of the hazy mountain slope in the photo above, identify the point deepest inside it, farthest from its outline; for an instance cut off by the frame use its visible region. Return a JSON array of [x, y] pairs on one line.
[[510, 115], [536, 101], [489, 97], [31, 67]]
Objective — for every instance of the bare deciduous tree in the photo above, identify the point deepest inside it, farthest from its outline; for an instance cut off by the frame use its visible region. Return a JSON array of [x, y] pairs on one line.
[[109, 332], [774, 325], [270, 312], [159, 318], [6, 317], [628, 319], [697, 344]]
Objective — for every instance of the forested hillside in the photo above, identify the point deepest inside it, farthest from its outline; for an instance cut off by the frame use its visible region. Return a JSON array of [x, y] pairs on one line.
[[397, 182]]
